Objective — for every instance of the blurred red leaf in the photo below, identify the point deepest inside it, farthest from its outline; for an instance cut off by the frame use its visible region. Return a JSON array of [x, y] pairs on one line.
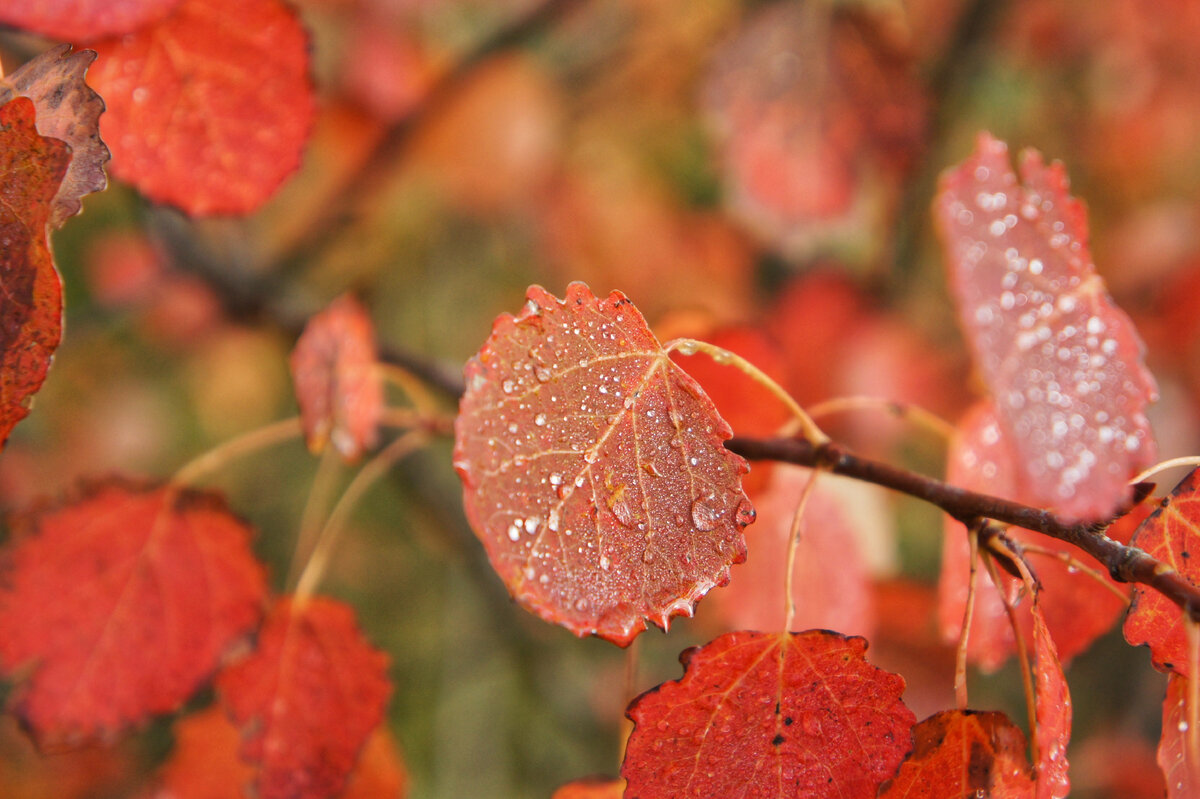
[[1061, 360], [81, 20], [1053, 711], [1182, 777], [962, 754], [67, 109], [31, 169], [1078, 609], [306, 699], [204, 763], [811, 103], [120, 604], [831, 588], [1171, 534], [591, 788], [334, 371], [769, 715], [593, 468], [210, 109]]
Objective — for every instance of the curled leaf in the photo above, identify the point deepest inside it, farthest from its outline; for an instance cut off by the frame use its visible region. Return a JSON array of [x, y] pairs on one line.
[[594, 469], [769, 715]]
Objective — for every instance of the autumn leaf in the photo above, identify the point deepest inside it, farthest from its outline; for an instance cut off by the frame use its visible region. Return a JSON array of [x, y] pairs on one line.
[[209, 109], [31, 170], [1182, 776], [1062, 362], [1169, 534], [120, 604], [1052, 702], [337, 385], [67, 109], [1078, 607], [769, 715], [962, 754], [81, 20], [591, 788], [593, 468], [306, 699], [204, 763]]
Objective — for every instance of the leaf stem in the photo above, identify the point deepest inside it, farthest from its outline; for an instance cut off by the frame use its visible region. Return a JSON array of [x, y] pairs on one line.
[[374, 469], [925, 419], [1022, 650], [1187, 460], [960, 659], [789, 606], [237, 447], [690, 346], [315, 507], [1192, 736], [1126, 564], [1073, 563]]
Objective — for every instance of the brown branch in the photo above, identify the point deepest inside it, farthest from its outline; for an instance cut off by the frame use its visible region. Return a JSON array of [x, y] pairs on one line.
[[1125, 564]]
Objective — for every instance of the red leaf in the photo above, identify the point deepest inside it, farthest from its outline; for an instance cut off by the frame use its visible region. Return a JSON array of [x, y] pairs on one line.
[[80, 20], [593, 468], [1061, 360], [1053, 711], [758, 715], [67, 109], [591, 788], [1079, 609], [31, 170], [832, 598], [306, 699], [204, 763], [1183, 778], [962, 754], [1171, 534], [209, 110], [337, 386], [121, 604]]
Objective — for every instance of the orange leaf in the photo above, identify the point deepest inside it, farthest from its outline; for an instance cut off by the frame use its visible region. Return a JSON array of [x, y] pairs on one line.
[[67, 109], [963, 754], [1171, 534], [208, 110], [593, 468], [758, 715], [31, 170], [1053, 711], [333, 367], [80, 20], [121, 603], [1062, 362], [306, 699]]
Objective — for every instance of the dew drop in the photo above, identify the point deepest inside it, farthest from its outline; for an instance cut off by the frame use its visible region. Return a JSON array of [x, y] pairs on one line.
[[581, 604], [647, 555], [605, 563], [540, 420], [704, 517], [542, 374], [622, 511], [591, 456], [514, 531], [508, 386], [555, 479]]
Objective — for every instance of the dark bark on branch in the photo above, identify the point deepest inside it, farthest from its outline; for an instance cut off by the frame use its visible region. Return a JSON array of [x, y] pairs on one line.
[[1126, 564]]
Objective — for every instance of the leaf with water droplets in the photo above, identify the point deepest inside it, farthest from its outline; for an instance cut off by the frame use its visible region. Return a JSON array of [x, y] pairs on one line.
[[1171, 534], [1182, 775], [209, 109], [1052, 710], [1079, 608], [594, 469], [769, 715], [1061, 360], [337, 385], [964, 753]]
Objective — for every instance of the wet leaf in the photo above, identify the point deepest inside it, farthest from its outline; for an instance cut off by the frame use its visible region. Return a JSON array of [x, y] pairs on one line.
[[1171, 534], [1053, 711], [120, 604], [31, 170], [210, 109], [306, 699], [1062, 362], [204, 763], [67, 109], [1182, 777], [337, 385], [1078, 609], [963, 754], [81, 20], [769, 715], [593, 468]]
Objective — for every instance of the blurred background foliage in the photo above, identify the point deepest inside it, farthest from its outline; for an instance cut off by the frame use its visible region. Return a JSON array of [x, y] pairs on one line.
[[755, 172]]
